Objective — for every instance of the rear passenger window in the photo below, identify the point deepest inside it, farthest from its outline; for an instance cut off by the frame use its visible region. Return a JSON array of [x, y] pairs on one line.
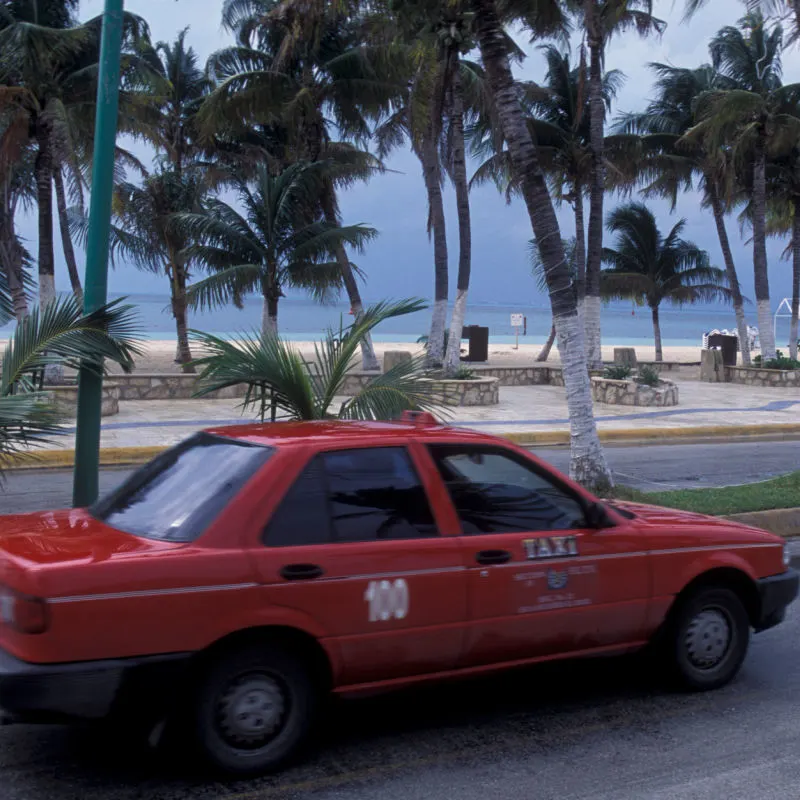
[[302, 517], [375, 493], [360, 495]]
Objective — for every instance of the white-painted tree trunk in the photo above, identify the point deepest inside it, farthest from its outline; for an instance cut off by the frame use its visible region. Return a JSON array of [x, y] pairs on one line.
[[53, 373], [269, 319], [588, 459], [436, 338], [766, 330], [452, 359], [47, 289], [591, 320]]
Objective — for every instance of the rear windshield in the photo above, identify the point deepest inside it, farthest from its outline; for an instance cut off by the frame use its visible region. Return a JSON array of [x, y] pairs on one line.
[[182, 491]]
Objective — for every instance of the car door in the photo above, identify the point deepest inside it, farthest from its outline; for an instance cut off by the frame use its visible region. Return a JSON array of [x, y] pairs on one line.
[[355, 546], [540, 581]]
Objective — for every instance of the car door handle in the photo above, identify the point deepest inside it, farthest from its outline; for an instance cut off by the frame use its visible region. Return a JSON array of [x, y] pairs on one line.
[[301, 572], [488, 557]]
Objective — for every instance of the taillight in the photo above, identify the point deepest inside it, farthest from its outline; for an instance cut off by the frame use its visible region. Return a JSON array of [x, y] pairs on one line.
[[23, 613]]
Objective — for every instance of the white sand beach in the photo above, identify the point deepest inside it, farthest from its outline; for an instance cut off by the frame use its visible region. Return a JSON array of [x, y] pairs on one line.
[[159, 355]]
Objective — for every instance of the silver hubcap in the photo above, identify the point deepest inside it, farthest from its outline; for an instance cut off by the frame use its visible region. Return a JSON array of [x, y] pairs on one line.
[[251, 711], [708, 638]]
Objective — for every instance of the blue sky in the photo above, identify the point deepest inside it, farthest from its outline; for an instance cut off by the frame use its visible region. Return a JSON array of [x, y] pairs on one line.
[[400, 261]]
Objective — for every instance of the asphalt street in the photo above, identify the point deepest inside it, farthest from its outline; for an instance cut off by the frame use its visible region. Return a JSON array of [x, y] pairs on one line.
[[600, 729], [604, 730], [649, 468]]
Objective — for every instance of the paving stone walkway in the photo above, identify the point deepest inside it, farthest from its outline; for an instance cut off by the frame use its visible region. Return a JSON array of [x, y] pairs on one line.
[[521, 410]]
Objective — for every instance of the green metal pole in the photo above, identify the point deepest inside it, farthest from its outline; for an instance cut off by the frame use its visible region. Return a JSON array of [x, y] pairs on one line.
[[90, 386]]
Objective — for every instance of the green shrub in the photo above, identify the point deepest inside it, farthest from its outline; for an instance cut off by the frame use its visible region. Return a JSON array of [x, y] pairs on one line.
[[781, 362], [618, 372], [463, 374], [648, 376]]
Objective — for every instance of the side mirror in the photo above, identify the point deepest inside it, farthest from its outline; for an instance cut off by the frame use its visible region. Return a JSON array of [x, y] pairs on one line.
[[596, 516]]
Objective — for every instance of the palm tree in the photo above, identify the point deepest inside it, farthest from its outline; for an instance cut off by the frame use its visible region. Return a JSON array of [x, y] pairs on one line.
[[17, 190], [49, 71], [783, 219], [756, 119], [278, 377], [672, 163], [601, 20], [58, 334], [142, 233], [649, 268], [559, 123], [277, 241], [571, 249], [303, 71], [588, 463]]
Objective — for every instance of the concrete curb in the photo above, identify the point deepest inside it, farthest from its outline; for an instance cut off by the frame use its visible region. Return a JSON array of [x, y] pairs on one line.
[[699, 433], [782, 521], [131, 456]]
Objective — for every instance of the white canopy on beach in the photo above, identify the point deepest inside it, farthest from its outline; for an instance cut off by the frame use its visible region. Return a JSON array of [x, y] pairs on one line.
[[786, 303]]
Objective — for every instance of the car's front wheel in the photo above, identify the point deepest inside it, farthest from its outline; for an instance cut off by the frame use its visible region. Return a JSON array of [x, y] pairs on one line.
[[709, 638], [253, 710]]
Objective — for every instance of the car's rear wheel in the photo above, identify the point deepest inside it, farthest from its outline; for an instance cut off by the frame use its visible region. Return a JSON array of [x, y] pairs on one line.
[[709, 638], [254, 709]]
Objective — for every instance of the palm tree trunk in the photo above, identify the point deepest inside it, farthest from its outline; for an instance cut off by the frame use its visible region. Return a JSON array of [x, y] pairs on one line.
[[11, 264], [431, 168], [460, 181], [793, 326], [597, 113], [66, 238], [730, 268], [43, 169], [369, 361], [179, 312], [657, 333], [587, 463], [269, 314], [765, 322], [548, 345], [580, 246]]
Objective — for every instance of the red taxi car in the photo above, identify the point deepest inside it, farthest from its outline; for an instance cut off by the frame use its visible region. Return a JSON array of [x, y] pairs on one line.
[[248, 571]]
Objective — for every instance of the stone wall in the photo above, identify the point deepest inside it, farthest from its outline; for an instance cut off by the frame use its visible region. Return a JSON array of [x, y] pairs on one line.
[[753, 376], [535, 375], [356, 381], [478, 392], [65, 398], [168, 386], [630, 393]]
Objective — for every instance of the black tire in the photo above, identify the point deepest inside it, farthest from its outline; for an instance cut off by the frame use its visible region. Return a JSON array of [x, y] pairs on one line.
[[254, 709], [708, 639]]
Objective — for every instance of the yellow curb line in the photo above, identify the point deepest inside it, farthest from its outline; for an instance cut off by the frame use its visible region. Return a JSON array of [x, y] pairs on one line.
[[129, 456], [545, 438]]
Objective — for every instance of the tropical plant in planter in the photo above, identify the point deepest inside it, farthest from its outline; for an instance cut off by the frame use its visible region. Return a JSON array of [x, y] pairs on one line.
[[58, 334], [281, 383]]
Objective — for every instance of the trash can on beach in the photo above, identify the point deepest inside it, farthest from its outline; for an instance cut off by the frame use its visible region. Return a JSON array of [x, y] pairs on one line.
[[478, 338], [729, 346]]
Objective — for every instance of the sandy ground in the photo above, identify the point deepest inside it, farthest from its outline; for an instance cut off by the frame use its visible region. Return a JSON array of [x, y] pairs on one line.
[[160, 355]]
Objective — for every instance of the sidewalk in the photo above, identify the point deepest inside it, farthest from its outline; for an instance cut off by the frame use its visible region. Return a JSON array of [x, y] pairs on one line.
[[530, 413]]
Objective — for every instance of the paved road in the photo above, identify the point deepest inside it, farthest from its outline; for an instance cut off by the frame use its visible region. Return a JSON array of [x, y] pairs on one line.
[[595, 729], [649, 468]]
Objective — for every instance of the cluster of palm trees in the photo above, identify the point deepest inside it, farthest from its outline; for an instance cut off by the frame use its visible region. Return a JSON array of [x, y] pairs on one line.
[[284, 119]]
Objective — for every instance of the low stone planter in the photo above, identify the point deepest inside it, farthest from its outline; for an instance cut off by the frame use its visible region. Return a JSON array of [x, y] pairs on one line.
[[475, 392], [65, 398], [754, 376], [630, 393], [168, 386]]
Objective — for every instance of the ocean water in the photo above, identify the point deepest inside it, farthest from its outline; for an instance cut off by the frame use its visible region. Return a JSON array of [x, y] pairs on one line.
[[300, 319]]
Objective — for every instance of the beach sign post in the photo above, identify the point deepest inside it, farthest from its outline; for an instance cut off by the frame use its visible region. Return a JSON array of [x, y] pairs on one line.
[[90, 385], [517, 321]]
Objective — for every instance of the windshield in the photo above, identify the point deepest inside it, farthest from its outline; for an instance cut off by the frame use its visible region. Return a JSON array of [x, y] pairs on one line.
[[182, 491]]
